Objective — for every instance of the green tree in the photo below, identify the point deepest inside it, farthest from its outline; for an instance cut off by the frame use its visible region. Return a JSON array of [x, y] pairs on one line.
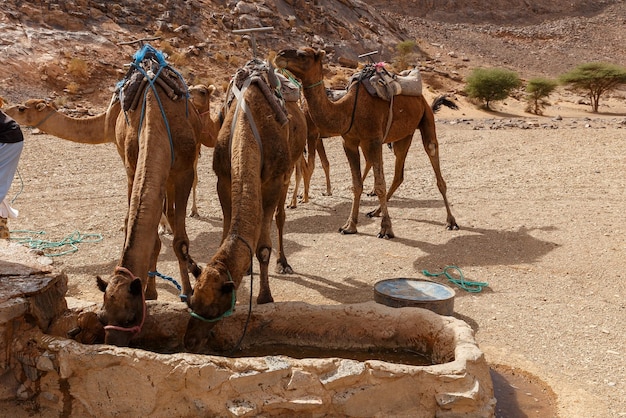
[[537, 90], [488, 85], [596, 79]]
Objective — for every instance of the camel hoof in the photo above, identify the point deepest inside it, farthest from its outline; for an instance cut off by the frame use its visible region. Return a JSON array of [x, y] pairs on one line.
[[373, 214], [452, 227], [262, 299], [194, 215], [283, 269], [327, 194], [387, 235], [344, 231]]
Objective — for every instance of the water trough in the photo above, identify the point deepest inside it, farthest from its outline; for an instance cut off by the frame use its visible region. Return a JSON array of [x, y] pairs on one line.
[[154, 379]]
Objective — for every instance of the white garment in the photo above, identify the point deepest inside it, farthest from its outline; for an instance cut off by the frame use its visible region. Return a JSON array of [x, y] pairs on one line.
[[6, 211]]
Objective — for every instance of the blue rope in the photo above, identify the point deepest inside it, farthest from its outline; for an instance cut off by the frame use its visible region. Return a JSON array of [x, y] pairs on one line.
[[69, 241], [467, 285], [182, 296]]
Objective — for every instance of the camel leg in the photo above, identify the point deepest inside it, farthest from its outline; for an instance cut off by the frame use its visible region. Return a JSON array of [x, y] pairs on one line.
[[431, 146], [273, 204], [194, 202], [354, 160], [313, 138], [400, 150], [366, 171], [151, 292], [282, 266], [321, 151], [176, 216], [299, 174], [373, 154], [224, 194]]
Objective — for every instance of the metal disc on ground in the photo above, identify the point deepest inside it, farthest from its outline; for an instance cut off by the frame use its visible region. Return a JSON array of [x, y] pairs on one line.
[[417, 293]]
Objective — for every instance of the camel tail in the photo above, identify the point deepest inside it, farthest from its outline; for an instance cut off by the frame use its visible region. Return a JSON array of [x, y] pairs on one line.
[[442, 101]]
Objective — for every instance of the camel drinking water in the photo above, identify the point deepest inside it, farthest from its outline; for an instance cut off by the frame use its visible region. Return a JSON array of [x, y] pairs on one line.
[[257, 148], [156, 136]]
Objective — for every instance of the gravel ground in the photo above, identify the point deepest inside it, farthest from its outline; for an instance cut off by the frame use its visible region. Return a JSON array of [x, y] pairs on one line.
[[540, 215]]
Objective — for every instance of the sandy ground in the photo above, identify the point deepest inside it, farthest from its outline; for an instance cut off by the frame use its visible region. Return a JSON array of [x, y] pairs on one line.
[[540, 212]]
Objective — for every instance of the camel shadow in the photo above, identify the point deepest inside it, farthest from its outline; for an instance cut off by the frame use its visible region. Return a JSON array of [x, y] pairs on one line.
[[346, 291], [484, 247]]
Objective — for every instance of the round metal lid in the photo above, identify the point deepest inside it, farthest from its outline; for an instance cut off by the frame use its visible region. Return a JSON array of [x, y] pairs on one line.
[[413, 290]]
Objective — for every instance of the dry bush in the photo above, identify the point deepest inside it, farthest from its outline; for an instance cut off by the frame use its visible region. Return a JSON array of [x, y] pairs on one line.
[[219, 57], [78, 68], [72, 88]]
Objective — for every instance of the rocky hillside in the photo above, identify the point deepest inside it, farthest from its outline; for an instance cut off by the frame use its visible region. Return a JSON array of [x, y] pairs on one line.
[[71, 49]]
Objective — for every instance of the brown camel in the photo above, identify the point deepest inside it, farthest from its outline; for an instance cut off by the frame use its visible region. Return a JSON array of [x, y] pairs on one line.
[[255, 154], [361, 119], [100, 129], [157, 141], [44, 116]]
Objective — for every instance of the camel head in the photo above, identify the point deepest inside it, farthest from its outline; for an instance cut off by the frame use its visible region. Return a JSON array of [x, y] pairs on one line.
[[124, 308], [201, 96], [213, 299], [88, 330], [32, 113], [305, 63]]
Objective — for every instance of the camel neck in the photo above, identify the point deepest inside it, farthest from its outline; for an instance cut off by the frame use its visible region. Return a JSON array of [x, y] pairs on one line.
[[332, 118], [236, 254], [90, 130]]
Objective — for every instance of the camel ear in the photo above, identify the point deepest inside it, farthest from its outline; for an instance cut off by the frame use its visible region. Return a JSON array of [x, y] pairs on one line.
[[321, 53], [102, 285], [211, 89], [135, 287], [40, 106]]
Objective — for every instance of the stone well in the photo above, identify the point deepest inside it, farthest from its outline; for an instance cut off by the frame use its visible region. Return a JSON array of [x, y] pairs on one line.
[[61, 375]]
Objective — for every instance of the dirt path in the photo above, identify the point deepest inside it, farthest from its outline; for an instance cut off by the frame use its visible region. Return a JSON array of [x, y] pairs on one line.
[[540, 212]]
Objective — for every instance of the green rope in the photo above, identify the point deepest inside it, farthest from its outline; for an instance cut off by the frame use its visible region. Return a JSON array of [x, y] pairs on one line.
[[17, 173], [58, 246], [467, 285]]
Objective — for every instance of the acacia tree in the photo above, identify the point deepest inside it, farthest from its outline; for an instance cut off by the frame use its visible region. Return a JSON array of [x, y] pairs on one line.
[[537, 90], [596, 79], [488, 85]]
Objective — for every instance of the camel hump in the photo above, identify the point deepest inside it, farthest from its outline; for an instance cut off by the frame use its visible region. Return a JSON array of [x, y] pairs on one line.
[[149, 67]]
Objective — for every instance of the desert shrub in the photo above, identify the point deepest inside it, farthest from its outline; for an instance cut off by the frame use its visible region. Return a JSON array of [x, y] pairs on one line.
[[72, 88], [595, 79], [491, 84], [78, 68], [406, 53], [537, 91]]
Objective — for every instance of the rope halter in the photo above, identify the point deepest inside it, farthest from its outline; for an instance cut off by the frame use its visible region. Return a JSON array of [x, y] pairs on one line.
[[226, 314]]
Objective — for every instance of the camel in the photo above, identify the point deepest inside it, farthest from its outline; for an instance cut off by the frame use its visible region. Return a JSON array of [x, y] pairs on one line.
[[98, 129], [256, 151], [361, 119], [44, 115], [157, 141]]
